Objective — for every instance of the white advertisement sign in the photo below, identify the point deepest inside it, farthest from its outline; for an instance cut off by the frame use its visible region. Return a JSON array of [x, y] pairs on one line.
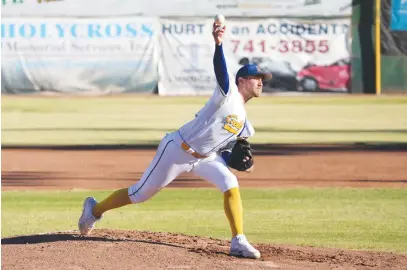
[[80, 55], [180, 8], [302, 55]]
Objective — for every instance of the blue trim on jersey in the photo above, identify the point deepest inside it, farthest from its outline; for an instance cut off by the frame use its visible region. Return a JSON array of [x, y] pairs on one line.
[[145, 180], [226, 156], [242, 128], [221, 71], [210, 151]]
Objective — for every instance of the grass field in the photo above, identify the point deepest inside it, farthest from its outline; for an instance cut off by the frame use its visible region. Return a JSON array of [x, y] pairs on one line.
[[145, 119], [373, 219]]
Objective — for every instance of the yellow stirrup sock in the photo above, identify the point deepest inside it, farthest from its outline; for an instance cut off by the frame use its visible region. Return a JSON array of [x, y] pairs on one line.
[[234, 210], [117, 199]]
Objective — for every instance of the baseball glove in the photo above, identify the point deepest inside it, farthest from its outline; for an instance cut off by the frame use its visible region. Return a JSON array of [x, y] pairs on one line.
[[241, 157]]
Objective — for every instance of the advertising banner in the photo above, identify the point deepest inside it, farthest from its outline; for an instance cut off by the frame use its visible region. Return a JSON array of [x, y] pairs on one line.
[[399, 15], [301, 55], [79, 55], [179, 8]]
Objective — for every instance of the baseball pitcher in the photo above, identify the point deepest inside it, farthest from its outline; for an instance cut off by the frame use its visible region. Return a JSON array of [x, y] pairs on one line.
[[208, 146]]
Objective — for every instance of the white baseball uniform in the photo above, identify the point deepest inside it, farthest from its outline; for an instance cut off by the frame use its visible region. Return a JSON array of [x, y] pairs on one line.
[[197, 145]]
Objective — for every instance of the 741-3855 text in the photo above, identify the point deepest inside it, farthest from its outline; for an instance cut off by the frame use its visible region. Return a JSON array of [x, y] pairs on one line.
[[283, 46]]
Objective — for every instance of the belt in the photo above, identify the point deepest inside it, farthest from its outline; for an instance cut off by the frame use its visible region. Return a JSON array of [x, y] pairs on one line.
[[191, 151]]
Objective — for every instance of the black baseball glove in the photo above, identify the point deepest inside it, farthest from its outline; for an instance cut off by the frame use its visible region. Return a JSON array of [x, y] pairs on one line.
[[241, 157]]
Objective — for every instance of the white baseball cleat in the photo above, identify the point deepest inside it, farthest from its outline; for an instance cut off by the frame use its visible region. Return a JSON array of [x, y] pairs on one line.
[[240, 247], [87, 221]]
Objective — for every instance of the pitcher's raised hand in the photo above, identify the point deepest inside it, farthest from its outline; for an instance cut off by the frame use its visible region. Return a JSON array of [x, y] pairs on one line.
[[218, 32]]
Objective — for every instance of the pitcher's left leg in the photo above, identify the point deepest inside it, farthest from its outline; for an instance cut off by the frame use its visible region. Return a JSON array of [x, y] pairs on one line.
[[234, 211], [216, 171], [232, 204]]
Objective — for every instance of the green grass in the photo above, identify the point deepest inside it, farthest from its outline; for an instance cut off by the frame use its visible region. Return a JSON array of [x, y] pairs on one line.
[[145, 119], [373, 219]]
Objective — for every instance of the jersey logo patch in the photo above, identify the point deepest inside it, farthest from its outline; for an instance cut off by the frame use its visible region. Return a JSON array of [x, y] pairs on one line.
[[232, 124]]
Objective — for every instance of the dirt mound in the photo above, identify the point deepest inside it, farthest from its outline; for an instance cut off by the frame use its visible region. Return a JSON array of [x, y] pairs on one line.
[[112, 249]]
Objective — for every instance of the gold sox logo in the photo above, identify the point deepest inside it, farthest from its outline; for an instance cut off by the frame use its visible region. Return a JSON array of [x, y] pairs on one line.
[[232, 124]]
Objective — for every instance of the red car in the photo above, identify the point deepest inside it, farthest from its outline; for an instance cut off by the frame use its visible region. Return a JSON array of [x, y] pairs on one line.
[[334, 77]]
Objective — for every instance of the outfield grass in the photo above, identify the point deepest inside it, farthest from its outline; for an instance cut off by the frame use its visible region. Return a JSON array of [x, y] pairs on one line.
[[374, 219], [145, 119]]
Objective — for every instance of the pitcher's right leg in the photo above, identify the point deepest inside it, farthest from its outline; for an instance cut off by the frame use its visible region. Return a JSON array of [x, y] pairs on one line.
[[117, 199], [167, 164]]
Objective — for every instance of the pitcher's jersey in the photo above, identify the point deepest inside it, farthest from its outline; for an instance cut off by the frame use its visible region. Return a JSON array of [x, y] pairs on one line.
[[219, 122]]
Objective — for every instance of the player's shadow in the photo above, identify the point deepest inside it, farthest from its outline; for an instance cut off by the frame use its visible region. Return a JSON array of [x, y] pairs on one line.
[[62, 237], [49, 238]]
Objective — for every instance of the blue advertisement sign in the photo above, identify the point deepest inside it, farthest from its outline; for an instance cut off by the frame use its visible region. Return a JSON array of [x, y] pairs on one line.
[[399, 15]]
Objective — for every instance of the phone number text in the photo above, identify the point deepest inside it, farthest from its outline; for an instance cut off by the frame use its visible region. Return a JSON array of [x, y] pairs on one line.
[[283, 46]]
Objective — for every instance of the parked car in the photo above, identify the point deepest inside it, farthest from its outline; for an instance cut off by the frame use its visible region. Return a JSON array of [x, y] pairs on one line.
[[333, 77], [284, 76]]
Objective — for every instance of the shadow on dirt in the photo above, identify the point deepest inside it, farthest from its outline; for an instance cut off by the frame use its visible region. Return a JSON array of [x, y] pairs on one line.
[[209, 251], [63, 237], [52, 179], [49, 238]]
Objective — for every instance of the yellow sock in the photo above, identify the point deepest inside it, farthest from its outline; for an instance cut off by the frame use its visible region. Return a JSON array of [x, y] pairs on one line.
[[234, 210], [117, 199]]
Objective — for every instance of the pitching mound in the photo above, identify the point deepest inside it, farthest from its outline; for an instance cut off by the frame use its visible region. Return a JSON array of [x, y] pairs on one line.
[[111, 249]]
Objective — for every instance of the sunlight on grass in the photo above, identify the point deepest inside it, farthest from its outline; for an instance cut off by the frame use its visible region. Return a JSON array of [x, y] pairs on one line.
[[139, 120], [373, 219]]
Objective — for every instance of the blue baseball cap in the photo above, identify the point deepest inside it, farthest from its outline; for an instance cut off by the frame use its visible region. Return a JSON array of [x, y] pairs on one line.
[[252, 70]]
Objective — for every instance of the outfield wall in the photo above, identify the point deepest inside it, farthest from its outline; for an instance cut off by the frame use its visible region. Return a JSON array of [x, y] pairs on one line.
[[393, 47], [53, 46]]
